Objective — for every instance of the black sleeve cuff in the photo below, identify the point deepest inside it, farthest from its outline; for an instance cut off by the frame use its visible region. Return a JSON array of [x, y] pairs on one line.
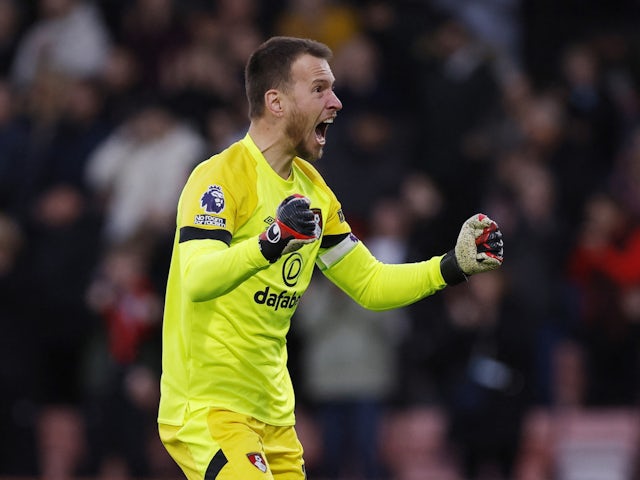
[[451, 271]]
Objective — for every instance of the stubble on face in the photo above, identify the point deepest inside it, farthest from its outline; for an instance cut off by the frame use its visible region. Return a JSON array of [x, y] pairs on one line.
[[295, 131]]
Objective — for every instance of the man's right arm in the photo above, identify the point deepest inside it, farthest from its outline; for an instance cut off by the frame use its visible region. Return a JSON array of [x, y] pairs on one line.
[[210, 268]]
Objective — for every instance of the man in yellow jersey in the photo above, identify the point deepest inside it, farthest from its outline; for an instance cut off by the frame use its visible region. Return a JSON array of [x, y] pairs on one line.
[[252, 223]]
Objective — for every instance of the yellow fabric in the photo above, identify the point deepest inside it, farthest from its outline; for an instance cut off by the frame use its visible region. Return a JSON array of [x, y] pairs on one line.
[[379, 286], [181, 451], [227, 310], [243, 447]]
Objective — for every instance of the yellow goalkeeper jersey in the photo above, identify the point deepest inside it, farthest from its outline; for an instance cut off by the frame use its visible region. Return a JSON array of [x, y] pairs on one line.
[[228, 310]]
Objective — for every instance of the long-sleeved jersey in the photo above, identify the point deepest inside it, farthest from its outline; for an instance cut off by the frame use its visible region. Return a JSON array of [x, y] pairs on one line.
[[228, 310]]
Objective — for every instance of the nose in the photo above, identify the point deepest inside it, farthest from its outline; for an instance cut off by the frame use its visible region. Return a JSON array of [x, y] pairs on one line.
[[334, 102]]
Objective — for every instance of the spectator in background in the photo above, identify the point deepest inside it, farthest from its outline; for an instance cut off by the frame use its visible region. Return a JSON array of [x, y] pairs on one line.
[[486, 377], [470, 354], [201, 75], [624, 177], [616, 52], [153, 30], [542, 126], [592, 127], [237, 14], [62, 238], [206, 74], [138, 171], [456, 89], [473, 351], [525, 197], [11, 23], [81, 128], [14, 142], [37, 115], [224, 126], [328, 21], [398, 30], [369, 148], [45, 195], [604, 266], [121, 81], [241, 26], [69, 38], [350, 359], [372, 143], [17, 355], [242, 31], [594, 122], [427, 209], [122, 371], [497, 24], [363, 81]]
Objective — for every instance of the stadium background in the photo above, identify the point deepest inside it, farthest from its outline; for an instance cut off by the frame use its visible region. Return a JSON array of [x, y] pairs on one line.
[[527, 110]]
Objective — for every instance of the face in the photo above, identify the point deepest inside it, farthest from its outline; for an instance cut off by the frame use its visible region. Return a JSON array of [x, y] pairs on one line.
[[311, 106]]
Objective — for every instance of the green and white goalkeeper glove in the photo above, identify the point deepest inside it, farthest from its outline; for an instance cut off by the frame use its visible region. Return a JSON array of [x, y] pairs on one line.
[[479, 249]]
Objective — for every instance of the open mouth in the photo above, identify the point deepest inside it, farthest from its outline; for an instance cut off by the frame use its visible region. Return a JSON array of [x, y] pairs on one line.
[[321, 131]]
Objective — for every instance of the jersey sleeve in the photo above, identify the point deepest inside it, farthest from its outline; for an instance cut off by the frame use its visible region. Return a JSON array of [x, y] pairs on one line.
[[212, 269], [209, 204], [215, 202], [379, 286]]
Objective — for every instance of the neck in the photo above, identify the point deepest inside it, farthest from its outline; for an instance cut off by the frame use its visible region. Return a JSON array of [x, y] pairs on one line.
[[274, 146]]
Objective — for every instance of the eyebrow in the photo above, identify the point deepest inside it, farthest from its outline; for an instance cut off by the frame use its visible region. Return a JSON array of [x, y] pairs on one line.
[[322, 81]]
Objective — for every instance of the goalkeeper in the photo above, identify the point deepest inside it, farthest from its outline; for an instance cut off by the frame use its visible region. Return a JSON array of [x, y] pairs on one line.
[[252, 223]]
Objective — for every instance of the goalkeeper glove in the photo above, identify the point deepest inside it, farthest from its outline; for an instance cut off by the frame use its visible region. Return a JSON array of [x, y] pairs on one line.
[[295, 226], [478, 249]]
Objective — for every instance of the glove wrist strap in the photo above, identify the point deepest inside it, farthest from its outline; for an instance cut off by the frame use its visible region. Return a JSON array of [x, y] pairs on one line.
[[450, 269]]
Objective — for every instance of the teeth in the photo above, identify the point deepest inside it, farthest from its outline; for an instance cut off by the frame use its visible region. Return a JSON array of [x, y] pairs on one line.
[[328, 120]]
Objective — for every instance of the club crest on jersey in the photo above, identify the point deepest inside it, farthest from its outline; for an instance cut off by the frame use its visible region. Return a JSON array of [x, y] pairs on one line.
[[258, 461], [317, 216], [213, 199]]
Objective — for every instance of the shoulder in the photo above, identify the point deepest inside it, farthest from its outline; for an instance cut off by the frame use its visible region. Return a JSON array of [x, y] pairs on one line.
[[232, 172], [234, 161], [310, 172]]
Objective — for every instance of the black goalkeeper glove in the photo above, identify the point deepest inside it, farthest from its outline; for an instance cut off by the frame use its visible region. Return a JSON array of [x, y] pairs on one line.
[[479, 249], [295, 226]]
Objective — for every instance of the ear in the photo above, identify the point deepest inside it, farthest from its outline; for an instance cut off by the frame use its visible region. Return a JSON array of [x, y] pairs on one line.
[[274, 102]]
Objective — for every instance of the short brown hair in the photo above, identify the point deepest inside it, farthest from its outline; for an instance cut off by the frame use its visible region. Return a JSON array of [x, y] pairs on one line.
[[269, 66]]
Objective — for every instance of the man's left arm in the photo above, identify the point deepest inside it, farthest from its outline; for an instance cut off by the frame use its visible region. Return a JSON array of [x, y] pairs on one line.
[[379, 286]]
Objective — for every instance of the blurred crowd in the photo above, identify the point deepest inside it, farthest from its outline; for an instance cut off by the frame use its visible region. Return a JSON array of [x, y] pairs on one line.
[[528, 111]]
